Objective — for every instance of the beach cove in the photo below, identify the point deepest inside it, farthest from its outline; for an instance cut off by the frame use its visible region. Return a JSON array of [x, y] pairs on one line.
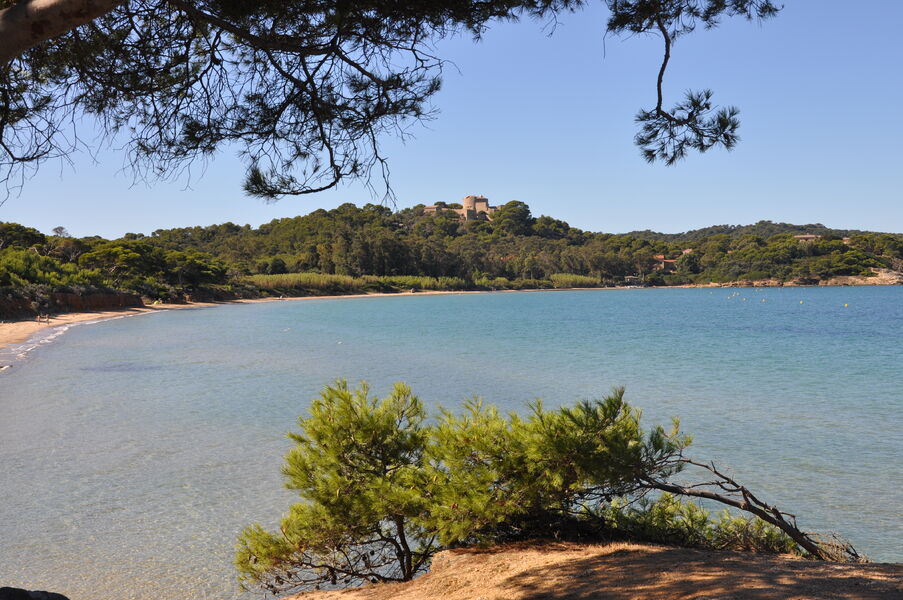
[[15, 331], [150, 442]]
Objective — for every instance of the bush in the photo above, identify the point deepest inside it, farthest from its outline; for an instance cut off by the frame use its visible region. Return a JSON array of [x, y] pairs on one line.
[[503, 283], [319, 284], [667, 520]]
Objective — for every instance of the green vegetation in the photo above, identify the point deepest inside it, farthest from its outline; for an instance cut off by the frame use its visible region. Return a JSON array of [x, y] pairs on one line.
[[569, 280], [33, 266], [382, 488], [668, 520], [368, 249], [313, 284]]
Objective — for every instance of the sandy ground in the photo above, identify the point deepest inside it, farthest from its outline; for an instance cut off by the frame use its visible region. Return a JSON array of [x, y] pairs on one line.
[[14, 332], [623, 571]]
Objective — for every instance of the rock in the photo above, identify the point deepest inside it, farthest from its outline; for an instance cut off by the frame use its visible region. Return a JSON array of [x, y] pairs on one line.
[[8, 593]]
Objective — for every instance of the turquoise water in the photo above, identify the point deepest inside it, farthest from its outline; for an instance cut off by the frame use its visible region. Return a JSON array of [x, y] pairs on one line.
[[133, 451]]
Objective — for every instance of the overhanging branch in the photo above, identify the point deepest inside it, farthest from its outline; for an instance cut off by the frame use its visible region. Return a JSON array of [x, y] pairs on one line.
[[27, 23]]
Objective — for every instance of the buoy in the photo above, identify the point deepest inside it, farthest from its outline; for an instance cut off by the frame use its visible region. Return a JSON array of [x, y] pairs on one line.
[[845, 305], [801, 301]]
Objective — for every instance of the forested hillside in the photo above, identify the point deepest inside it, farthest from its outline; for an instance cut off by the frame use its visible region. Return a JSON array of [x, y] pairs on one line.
[[351, 249], [763, 229]]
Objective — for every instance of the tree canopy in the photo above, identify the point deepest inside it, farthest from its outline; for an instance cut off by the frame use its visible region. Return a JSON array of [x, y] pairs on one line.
[[305, 89]]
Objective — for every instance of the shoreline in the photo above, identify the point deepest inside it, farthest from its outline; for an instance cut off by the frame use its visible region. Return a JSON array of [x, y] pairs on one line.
[[19, 331]]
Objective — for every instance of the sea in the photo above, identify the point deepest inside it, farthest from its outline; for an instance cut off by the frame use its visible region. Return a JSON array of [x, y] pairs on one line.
[[133, 451]]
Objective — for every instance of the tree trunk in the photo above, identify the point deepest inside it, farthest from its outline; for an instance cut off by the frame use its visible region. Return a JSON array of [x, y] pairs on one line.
[[30, 22], [795, 534], [734, 494]]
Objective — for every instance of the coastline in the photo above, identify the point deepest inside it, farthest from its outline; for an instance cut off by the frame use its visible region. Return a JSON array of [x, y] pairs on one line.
[[21, 330], [18, 331]]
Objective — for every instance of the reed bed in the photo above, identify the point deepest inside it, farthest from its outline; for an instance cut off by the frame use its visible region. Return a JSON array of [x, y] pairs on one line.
[[570, 280], [416, 282], [503, 283], [319, 283]]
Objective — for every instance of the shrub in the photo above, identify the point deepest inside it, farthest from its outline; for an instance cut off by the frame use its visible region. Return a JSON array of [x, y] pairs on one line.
[[667, 520], [318, 283]]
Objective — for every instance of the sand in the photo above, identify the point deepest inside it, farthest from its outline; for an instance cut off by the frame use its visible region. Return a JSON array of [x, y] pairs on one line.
[[623, 571], [16, 332]]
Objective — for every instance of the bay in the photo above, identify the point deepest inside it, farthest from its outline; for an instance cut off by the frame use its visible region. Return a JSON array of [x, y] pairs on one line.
[[133, 451]]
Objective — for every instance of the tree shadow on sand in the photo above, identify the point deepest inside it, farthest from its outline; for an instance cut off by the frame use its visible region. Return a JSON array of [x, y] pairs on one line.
[[671, 573]]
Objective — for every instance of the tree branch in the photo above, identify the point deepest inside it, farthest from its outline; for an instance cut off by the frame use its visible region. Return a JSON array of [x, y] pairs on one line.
[[27, 23], [279, 43], [740, 497], [664, 67]]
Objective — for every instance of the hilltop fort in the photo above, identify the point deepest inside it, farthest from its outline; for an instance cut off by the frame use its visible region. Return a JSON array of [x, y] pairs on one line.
[[473, 208]]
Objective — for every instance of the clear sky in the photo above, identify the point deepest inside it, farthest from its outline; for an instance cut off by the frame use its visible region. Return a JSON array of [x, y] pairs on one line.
[[548, 120]]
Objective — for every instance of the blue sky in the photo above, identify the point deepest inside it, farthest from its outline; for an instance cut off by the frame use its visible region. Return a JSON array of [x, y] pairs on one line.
[[548, 120]]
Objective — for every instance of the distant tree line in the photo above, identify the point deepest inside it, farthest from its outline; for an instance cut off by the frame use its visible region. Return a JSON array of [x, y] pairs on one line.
[[376, 248]]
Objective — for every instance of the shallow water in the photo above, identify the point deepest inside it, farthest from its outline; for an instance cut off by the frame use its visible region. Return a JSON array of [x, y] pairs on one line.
[[133, 451]]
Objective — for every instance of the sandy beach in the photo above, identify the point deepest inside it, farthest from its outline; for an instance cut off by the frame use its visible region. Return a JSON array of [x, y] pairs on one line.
[[18, 331]]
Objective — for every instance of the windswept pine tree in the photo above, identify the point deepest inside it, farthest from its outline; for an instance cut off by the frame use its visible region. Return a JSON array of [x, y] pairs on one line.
[[381, 489]]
